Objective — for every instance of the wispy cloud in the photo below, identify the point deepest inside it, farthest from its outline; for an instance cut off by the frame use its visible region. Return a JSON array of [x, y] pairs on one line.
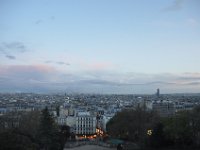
[[10, 57], [25, 72], [38, 21], [97, 66], [48, 61], [48, 78], [6, 54], [129, 79], [57, 62], [52, 17], [177, 5], [15, 46], [11, 48], [62, 63]]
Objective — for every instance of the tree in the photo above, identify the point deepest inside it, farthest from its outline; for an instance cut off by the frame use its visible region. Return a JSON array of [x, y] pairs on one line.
[[195, 125], [132, 125], [18, 130], [64, 134], [157, 138], [178, 130], [13, 140], [31, 130], [48, 132], [29, 123], [58, 110]]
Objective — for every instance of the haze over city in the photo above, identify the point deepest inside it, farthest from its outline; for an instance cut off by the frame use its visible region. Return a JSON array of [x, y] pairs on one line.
[[105, 46]]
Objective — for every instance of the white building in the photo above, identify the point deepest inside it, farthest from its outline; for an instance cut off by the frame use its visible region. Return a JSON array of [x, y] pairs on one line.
[[85, 124]]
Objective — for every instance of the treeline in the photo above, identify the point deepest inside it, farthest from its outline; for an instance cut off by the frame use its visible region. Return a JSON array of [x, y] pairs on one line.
[[148, 130], [31, 131]]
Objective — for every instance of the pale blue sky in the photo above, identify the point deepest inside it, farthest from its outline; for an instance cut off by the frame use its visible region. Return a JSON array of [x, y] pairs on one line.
[[104, 40]]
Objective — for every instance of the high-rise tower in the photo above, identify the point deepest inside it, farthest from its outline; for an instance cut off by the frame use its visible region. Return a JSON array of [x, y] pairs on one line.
[[158, 93]]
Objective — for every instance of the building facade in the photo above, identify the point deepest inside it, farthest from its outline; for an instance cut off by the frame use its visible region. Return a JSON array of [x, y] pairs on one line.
[[164, 108], [85, 125]]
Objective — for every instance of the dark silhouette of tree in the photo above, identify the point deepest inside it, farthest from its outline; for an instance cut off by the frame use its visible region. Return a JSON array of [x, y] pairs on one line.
[[177, 129], [18, 130], [48, 133], [195, 125], [64, 134], [181, 131], [29, 123], [31, 130], [13, 140], [157, 139], [58, 111], [132, 125]]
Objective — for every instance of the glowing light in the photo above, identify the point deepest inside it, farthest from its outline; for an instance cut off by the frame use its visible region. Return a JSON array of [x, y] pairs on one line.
[[149, 132]]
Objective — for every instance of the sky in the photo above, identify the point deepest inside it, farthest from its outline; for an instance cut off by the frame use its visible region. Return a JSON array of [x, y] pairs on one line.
[[100, 46]]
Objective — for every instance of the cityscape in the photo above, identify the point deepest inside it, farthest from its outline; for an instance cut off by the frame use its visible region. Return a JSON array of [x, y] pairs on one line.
[[99, 75], [87, 115]]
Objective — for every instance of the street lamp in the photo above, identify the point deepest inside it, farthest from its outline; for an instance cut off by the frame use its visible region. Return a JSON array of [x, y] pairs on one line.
[[149, 132]]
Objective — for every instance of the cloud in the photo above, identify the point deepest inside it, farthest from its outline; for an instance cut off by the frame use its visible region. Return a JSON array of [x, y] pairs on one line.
[[193, 83], [52, 17], [177, 5], [10, 57], [19, 77], [57, 62], [7, 49], [11, 70], [15, 46], [31, 78], [36, 78], [97, 66], [189, 78], [140, 79], [98, 82], [62, 63], [6, 54], [38, 21], [48, 61]]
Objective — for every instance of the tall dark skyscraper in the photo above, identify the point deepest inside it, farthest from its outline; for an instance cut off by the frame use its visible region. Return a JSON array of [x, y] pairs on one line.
[[158, 93]]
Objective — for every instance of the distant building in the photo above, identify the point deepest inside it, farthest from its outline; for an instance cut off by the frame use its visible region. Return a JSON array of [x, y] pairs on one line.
[[99, 117], [3, 111], [158, 92], [164, 108], [106, 119], [85, 124], [71, 122], [180, 106], [61, 120], [63, 112]]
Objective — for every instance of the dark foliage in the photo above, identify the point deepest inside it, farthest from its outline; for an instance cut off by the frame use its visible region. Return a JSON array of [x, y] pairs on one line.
[[31, 131], [132, 125], [48, 133], [157, 139], [64, 134], [13, 140], [181, 131]]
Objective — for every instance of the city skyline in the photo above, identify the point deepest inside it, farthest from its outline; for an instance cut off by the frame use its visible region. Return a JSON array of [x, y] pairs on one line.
[[100, 46]]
